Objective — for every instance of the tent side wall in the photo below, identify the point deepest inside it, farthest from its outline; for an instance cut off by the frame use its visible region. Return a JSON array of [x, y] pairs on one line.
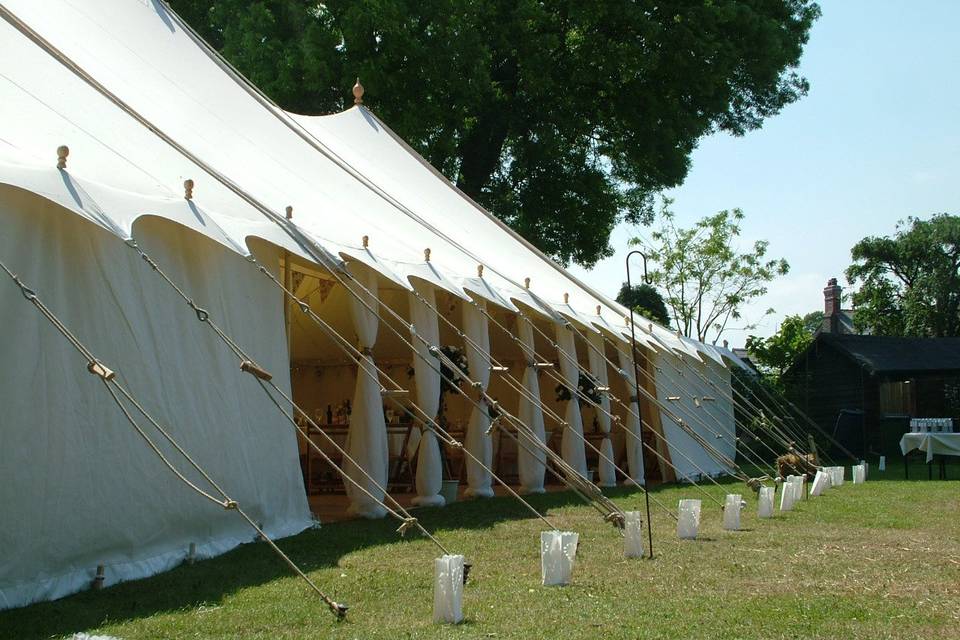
[[688, 456], [79, 487]]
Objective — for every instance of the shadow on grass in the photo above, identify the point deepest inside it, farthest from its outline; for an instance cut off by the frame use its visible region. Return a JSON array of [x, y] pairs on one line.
[[210, 581]]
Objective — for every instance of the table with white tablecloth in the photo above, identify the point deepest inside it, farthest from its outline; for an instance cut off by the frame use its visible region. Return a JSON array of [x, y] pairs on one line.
[[932, 444]]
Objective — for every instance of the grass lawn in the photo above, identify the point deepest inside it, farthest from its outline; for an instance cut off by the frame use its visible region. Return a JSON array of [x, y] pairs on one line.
[[880, 560]]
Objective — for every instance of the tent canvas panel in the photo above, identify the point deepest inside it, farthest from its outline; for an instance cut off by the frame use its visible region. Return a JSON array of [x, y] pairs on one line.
[[86, 490]]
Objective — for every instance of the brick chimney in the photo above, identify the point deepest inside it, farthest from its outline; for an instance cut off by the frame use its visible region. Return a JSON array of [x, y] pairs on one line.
[[831, 306]]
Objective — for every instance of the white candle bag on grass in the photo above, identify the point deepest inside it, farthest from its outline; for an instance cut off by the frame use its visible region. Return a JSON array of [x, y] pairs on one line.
[[688, 519], [820, 483], [786, 496], [857, 472], [558, 550], [632, 535], [765, 502], [836, 476], [448, 589], [731, 511]]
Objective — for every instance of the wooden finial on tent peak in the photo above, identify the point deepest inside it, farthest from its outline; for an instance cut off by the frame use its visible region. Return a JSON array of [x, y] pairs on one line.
[[426, 254], [566, 298], [598, 309], [62, 152], [358, 92], [289, 212], [188, 189], [479, 270], [526, 283], [366, 241]]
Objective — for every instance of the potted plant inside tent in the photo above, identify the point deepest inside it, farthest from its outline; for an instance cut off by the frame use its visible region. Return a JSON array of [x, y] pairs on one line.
[[451, 377]]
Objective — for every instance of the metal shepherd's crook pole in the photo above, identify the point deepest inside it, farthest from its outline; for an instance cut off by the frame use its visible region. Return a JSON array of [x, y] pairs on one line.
[[636, 382]]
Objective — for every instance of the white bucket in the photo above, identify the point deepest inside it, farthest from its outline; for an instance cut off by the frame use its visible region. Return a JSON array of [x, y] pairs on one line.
[[731, 511], [558, 550], [765, 502], [632, 535], [448, 589], [883, 464], [688, 519]]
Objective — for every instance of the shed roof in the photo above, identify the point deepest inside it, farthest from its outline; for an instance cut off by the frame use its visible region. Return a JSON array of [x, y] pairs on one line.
[[887, 355]]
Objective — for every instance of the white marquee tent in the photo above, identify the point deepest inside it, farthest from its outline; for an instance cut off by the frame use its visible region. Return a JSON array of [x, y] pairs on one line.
[[143, 106]]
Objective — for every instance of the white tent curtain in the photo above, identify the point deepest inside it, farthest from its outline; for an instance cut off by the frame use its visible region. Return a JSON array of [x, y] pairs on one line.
[[367, 436], [689, 458], [633, 445], [426, 371], [719, 406], [78, 487], [477, 330], [531, 465], [571, 443], [598, 368]]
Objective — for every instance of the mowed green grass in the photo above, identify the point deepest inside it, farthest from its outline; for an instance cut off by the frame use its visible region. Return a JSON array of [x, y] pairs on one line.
[[880, 560]]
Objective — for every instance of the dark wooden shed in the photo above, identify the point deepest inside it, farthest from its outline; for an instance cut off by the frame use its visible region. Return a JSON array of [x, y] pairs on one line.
[[864, 389]]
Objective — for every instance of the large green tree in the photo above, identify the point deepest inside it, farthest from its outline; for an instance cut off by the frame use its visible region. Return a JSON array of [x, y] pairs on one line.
[[706, 279], [564, 118], [645, 300], [909, 284]]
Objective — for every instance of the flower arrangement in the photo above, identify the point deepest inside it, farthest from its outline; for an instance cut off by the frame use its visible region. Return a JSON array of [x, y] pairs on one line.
[[586, 386], [450, 378]]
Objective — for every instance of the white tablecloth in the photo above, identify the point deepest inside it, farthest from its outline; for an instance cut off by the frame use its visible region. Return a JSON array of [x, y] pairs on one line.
[[944, 444]]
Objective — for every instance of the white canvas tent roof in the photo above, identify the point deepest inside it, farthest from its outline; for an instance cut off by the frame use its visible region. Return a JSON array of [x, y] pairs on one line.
[[348, 168], [144, 106]]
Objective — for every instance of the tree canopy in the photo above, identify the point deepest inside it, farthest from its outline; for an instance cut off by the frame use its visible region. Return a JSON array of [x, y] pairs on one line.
[[706, 279], [775, 354], [646, 301], [563, 118], [909, 284]]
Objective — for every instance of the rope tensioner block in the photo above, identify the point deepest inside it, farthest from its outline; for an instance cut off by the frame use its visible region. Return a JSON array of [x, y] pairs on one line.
[[62, 152], [542, 365], [406, 525], [100, 370], [251, 367], [499, 368], [230, 504], [673, 398], [393, 392], [188, 189]]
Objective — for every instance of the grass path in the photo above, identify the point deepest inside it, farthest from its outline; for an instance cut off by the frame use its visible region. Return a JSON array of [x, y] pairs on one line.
[[880, 560]]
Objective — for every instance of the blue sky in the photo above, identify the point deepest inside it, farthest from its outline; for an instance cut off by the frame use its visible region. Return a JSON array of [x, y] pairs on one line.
[[877, 139]]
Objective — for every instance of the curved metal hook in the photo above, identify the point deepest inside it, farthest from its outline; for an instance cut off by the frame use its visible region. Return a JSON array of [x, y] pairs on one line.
[[646, 276]]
